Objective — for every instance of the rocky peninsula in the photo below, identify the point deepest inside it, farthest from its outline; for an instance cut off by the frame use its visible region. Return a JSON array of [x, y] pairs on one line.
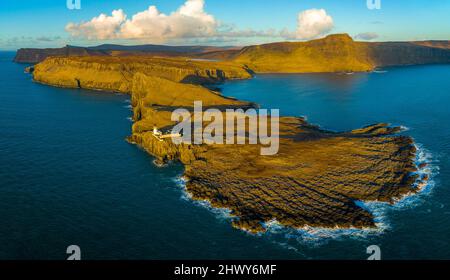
[[315, 179]]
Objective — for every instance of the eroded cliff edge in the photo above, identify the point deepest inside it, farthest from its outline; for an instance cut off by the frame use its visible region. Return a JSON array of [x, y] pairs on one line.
[[315, 179]]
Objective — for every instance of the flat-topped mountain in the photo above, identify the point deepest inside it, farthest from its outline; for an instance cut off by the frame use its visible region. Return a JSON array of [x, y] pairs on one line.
[[339, 53]]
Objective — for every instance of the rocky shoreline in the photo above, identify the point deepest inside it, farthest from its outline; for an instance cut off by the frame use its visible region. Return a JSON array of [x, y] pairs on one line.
[[314, 180]]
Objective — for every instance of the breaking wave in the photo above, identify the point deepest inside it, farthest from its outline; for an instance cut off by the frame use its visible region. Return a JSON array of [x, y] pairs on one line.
[[404, 128], [222, 213]]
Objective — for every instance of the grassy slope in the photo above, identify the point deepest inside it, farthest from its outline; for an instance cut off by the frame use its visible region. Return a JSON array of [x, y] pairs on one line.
[[334, 53], [116, 73], [339, 53]]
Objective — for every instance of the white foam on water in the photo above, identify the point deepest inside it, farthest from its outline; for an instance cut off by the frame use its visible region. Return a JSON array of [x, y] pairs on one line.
[[128, 107], [130, 119], [404, 128], [181, 183], [221, 213], [317, 236]]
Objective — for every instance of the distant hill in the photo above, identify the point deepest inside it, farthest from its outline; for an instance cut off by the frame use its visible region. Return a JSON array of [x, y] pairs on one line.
[[434, 44], [334, 53], [32, 55], [159, 48], [338, 53]]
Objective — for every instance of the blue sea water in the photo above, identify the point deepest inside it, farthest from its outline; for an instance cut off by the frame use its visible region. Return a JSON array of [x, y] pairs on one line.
[[67, 175]]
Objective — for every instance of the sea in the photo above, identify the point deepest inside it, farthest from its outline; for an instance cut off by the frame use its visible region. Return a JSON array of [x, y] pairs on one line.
[[68, 177]]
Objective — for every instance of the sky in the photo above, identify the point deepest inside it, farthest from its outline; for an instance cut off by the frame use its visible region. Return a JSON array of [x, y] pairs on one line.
[[50, 23]]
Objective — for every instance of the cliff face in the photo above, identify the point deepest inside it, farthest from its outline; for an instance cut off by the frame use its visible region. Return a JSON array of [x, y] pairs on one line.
[[116, 73], [338, 53], [153, 100], [397, 54]]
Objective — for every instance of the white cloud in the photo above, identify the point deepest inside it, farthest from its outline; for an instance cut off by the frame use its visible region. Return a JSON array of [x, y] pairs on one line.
[[313, 23], [190, 22], [100, 27]]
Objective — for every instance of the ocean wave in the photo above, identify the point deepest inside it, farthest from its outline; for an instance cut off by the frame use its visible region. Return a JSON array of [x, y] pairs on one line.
[[128, 107], [318, 236], [221, 213], [404, 128]]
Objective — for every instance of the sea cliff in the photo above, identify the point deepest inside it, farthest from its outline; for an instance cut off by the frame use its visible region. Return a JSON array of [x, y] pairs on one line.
[[116, 73], [315, 179]]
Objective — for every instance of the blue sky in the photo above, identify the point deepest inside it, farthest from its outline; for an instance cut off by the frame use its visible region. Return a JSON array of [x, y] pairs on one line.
[[29, 23]]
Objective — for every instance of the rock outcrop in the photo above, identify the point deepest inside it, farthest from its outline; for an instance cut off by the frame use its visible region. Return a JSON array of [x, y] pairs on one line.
[[398, 54]]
